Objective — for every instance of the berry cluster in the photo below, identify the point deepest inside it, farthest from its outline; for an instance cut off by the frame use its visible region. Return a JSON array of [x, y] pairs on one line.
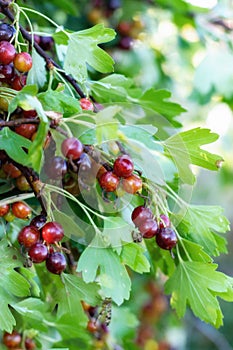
[[122, 173], [37, 239], [149, 227], [13, 66], [15, 341], [18, 209]]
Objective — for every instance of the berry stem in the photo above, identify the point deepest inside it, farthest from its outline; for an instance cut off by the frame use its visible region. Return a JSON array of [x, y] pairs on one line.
[[49, 61]]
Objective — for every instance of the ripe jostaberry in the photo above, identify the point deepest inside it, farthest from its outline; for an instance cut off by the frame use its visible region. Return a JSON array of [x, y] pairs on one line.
[[38, 221], [30, 114], [38, 253], [141, 214], [123, 166], [12, 340], [132, 184], [56, 263], [18, 82], [166, 238], [86, 104], [164, 221], [6, 73], [6, 32], [11, 170], [4, 209], [7, 52], [23, 62], [29, 344], [21, 210], [148, 228], [72, 148], [52, 232], [28, 236], [109, 181]]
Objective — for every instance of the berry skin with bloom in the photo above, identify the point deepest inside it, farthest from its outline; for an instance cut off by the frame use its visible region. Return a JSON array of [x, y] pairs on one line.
[[72, 148], [56, 263], [7, 52], [123, 166], [52, 232]]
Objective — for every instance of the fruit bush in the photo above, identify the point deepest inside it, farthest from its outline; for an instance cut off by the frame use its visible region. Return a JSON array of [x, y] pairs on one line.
[[96, 189]]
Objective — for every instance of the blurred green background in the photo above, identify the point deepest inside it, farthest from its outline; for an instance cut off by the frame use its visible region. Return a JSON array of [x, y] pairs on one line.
[[186, 47]]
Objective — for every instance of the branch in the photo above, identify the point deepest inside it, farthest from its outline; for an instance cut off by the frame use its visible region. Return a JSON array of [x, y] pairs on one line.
[[49, 61]]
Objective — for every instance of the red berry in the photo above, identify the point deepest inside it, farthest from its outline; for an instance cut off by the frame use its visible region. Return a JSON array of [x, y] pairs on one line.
[[56, 168], [12, 340], [166, 238], [30, 114], [29, 344], [126, 43], [26, 130], [124, 28], [164, 222], [28, 236], [11, 170], [123, 166], [132, 184], [148, 228], [86, 104], [109, 181], [52, 232], [72, 148], [23, 62], [141, 214], [46, 43], [56, 263], [7, 52], [6, 72], [21, 210], [38, 253], [38, 221], [18, 82], [4, 209]]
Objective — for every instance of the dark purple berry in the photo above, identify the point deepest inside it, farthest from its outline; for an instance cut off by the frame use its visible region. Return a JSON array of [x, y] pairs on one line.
[[56, 263], [166, 238]]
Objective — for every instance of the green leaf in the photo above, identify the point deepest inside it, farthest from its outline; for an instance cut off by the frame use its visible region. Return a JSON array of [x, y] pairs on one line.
[[107, 127], [59, 102], [14, 148], [112, 274], [13, 284], [83, 49], [157, 101], [185, 149], [201, 223], [71, 229], [133, 256], [37, 74], [113, 88], [198, 285]]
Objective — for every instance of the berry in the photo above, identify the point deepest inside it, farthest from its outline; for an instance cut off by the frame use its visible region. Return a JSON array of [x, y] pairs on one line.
[[38, 221], [11, 170], [18, 82], [46, 43], [123, 166], [52, 232], [109, 181], [56, 168], [26, 130], [141, 214], [126, 43], [6, 32], [56, 263], [72, 148], [164, 222], [86, 104], [7, 52], [28, 236], [38, 253], [30, 114], [22, 184], [12, 340], [124, 28], [23, 62], [148, 228], [4, 209], [6, 72], [132, 184], [166, 238], [21, 210], [29, 344]]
